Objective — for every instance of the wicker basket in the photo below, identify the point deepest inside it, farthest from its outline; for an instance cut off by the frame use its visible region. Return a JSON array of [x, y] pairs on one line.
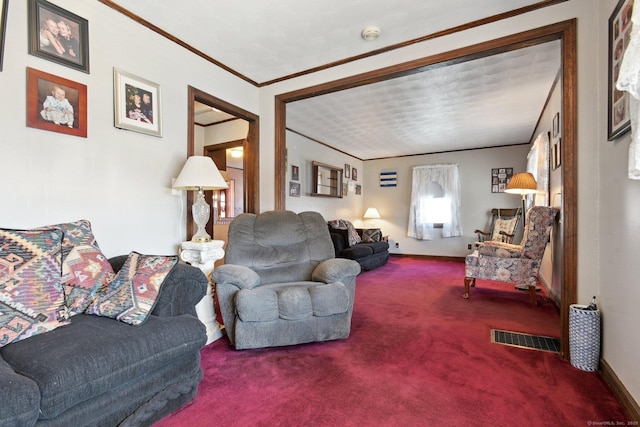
[[584, 337]]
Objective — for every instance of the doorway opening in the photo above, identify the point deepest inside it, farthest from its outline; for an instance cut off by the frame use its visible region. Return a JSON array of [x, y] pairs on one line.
[[564, 31], [250, 185]]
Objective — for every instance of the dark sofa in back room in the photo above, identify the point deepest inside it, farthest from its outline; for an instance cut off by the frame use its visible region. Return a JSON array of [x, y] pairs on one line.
[[368, 248]]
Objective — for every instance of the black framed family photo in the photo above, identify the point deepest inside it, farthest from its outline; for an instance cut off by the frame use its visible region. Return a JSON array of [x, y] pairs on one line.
[[58, 35]]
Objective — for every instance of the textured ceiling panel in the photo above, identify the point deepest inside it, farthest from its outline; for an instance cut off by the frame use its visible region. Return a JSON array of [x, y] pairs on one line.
[[482, 103], [265, 40]]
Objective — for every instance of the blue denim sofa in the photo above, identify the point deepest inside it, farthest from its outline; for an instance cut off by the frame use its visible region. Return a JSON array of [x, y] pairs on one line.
[[98, 371]]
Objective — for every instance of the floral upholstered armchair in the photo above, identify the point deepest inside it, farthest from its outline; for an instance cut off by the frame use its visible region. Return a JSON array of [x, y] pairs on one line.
[[517, 264]]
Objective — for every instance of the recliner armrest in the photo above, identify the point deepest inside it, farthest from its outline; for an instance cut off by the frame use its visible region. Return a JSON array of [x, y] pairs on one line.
[[238, 275], [335, 270]]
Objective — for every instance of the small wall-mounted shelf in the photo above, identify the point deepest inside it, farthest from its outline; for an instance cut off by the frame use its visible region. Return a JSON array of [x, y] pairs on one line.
[[327, 180]]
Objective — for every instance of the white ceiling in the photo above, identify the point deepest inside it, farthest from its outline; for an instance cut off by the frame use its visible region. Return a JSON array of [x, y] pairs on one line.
[[486, 102]]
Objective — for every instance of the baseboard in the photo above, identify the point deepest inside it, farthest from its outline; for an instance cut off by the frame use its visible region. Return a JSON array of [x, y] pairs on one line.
[[438, 257], [620, 391]]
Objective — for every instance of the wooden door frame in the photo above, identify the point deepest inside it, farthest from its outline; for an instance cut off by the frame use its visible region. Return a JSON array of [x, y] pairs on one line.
[[251, 150], [563, 31]]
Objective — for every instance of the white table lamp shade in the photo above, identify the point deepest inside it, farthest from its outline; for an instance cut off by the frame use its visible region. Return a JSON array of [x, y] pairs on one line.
[[199, 173], [372, 213]]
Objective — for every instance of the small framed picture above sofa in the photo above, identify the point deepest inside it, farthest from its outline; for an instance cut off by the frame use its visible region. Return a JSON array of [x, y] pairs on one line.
[[136, 103], [56, 104]]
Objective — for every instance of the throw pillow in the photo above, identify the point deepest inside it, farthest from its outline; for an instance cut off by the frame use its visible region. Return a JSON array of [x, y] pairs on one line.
[[370, 235], [352, 233], [31, 295], [354, 237], [133, 293], [79, 287], [75, 233], [506, 225], [84, 271]]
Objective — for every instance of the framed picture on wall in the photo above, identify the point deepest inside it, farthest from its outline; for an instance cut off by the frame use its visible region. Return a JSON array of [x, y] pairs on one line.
[[347, 170], [136, 103], [354, 174], [618, 120], [500, 177], [4, 6], [58, 35], [295, 173], [294, 189], [56, 104]]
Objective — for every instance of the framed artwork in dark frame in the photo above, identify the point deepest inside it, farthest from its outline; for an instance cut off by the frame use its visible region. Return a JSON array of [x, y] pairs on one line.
[[618, 121], [58, 35]]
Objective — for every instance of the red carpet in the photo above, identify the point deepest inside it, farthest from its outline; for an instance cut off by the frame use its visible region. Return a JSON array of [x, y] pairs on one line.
[[418, 355]]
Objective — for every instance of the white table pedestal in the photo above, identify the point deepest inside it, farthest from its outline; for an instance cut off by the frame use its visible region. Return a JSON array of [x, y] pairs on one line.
[[203, 255]]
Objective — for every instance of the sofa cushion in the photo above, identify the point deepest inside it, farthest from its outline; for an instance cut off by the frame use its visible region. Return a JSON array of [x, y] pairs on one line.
[[329, 299], [257, 305], [294, 303], [84, 271], [297, 301], [132, 294], [30, 289], [377, 247], [358, 251], [19, 398], [94, 354]]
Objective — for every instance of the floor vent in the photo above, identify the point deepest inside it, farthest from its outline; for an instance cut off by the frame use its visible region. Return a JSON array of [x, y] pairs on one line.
[[533, 342]]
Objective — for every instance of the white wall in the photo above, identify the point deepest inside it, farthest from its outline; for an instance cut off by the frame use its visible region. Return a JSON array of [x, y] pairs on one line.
[[119, 180], [301, 152], [616, 201], [474, 167]]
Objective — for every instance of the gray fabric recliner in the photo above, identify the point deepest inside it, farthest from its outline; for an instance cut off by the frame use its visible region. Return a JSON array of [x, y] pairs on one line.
[[281, 283]]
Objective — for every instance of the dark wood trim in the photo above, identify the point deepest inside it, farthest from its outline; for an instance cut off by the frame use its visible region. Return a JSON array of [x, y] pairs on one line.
[[280, 153], [174, 39], [442, 33], [251, 150], [217, 123], [456, 29], [620, 392], [564, 31], [435, 257], [569, 214]]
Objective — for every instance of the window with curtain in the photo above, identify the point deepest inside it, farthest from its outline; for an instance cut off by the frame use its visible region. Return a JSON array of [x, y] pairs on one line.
[[435, 202], [538, 165]]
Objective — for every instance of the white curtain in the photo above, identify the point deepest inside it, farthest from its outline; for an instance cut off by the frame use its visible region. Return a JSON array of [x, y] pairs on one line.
[[427, 182], [538, 165], [629, 81]]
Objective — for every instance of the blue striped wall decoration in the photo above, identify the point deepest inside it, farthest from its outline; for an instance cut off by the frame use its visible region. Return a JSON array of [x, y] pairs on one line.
[[388, 179]]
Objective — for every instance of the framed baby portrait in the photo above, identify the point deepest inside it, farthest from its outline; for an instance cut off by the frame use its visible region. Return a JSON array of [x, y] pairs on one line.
[[56, 104], [136, 103], [58, 35]]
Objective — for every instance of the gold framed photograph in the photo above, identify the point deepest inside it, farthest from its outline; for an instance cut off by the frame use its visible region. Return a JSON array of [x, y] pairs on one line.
[[136, 104]]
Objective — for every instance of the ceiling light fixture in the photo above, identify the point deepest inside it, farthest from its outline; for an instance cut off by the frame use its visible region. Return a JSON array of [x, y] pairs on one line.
[[371, 33]]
